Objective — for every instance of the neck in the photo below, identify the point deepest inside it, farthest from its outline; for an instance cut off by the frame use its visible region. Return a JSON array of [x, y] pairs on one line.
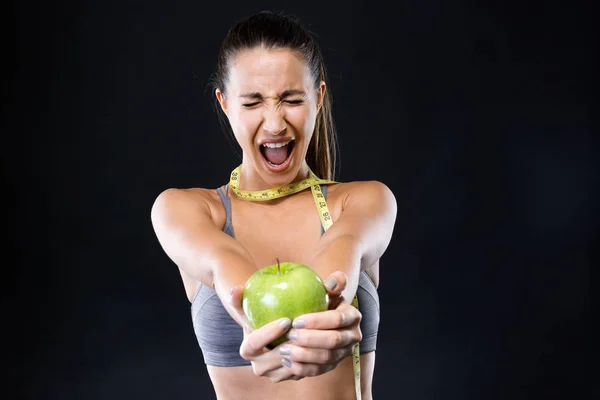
[[252, 180]]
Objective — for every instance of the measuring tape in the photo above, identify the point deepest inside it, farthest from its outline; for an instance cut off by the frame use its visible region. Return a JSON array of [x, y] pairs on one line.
[[314, 183]]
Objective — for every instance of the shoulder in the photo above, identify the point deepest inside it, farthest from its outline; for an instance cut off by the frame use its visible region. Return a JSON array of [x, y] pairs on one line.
[[188, 201], [370, 193]]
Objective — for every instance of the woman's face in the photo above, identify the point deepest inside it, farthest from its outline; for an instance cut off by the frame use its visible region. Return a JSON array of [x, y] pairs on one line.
[[271, 102]]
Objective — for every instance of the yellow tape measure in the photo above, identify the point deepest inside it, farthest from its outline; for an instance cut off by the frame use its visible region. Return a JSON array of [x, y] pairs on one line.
[[314, 183]]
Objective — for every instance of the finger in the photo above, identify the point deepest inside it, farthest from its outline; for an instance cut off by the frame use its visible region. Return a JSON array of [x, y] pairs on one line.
[[282, 374], [336, 283], [256, 341], [343, 316], [309, 355], [269, 365], [266, 363], [235, 298], [325, 339], [306, 369]]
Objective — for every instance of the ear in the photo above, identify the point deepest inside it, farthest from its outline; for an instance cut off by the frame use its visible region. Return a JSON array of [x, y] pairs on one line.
[[222, 100], [321, 94]]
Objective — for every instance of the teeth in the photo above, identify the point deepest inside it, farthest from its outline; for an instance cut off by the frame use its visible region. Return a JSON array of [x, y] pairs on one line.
[[276, 145]]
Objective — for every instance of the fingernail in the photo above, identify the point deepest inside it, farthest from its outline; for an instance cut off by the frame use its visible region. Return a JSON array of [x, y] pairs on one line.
[[285, 323], [330, 283], [285, 351], [292, 335], [299, 324], [286, 363]]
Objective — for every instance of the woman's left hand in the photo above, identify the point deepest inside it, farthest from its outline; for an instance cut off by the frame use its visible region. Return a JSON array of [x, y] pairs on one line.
[[319, 341]]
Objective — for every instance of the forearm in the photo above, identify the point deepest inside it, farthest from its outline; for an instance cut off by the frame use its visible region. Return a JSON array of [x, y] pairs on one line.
[[342, 253], [231, 268]]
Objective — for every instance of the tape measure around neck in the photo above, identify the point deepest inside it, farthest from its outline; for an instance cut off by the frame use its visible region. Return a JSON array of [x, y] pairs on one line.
[[280, 191], [314, 183]]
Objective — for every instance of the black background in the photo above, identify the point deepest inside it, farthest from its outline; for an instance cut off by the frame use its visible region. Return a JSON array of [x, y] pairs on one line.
[[477, 115]]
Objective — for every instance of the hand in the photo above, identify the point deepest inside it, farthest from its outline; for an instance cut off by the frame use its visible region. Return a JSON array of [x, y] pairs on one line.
[[321, 340], [265, 362]]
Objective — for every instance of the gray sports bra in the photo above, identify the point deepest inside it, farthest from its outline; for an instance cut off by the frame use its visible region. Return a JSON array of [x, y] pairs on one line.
[[220, 337]]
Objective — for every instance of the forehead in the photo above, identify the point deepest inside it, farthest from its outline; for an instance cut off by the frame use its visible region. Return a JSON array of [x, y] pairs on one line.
[[268, 71]]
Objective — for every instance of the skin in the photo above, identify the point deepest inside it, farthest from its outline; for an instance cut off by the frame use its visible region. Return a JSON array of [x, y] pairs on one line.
[[189, 222]]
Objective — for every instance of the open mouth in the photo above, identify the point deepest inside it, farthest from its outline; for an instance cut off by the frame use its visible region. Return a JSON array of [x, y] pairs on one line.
[[277, 155]]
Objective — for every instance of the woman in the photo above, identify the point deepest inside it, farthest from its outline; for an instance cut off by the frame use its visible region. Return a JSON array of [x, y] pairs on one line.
[[270, 83]]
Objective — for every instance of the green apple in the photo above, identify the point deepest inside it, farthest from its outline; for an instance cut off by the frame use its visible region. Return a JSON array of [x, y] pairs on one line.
[[281, 290]]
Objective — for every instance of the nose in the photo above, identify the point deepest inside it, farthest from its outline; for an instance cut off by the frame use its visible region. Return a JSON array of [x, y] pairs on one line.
[[274, 123]]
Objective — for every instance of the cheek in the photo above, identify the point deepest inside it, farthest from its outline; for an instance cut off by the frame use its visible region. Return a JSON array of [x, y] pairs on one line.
[[245, 123], [302, 118]]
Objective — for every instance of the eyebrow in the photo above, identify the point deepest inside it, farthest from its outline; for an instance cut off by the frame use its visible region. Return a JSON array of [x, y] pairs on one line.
[[287, 93]]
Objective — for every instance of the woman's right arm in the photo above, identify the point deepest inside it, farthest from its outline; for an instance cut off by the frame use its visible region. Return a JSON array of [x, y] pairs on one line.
[[189, 236], [187, 233]]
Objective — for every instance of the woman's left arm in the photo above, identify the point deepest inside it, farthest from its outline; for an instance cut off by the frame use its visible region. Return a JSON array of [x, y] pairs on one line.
[[360, 235], [319, 341]]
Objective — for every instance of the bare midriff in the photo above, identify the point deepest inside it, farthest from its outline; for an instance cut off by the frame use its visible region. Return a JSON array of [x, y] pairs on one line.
[[237, 383]]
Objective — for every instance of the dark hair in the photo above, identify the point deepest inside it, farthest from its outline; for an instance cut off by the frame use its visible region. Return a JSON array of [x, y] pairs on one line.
[[280, 31]]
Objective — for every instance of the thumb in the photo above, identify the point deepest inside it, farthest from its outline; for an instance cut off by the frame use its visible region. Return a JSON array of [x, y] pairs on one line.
[[235, 299], [336, 283]]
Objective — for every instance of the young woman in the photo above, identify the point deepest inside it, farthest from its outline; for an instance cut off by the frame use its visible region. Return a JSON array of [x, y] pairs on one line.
[[270, 84]]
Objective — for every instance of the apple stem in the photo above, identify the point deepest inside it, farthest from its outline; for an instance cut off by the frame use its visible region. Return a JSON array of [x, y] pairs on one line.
[[278, 266]]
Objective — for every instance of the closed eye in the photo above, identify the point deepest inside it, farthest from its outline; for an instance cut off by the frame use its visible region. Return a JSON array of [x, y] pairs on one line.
[[293, 102]]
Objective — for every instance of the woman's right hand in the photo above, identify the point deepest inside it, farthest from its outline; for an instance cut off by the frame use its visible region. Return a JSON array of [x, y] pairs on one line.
[[265, 362]]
